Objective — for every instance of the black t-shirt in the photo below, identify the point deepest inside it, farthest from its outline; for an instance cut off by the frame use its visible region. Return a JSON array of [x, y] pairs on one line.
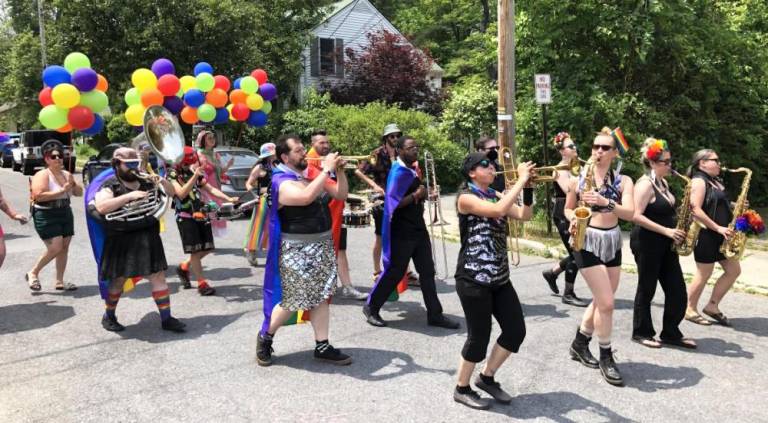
[[408, 221], [310, 219], [380, 170]]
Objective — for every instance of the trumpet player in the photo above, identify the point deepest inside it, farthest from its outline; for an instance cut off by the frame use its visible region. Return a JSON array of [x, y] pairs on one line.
[[600, 260], [567, 149], [131, 249], [652, 242], [712, 208]]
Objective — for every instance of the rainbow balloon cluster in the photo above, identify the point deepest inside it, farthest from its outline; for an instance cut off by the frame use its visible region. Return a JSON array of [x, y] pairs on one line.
[[251, 98], [73, 97], [205, 96], [157, 86], [750, 223]]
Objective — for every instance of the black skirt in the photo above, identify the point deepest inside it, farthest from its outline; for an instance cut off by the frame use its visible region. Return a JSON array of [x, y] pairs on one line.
[[196, 235], [135, 253], [707, 248]]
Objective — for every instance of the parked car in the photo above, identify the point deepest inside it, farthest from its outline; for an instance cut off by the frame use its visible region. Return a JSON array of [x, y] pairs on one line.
[[6, 150], [28, 155], [233, 181], [103, 161]]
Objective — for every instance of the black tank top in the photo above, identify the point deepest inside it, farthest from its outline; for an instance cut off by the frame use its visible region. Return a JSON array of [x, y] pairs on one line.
[[659, 211], [716, 205], [311, 219], [115, 226], [483, 254]]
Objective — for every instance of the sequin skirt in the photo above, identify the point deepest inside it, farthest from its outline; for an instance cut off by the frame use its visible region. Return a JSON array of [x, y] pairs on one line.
[[307, 270]]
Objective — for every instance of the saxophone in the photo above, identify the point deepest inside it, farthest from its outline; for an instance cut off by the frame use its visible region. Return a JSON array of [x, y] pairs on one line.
[[685, 221], [583, 213], [737, 243]]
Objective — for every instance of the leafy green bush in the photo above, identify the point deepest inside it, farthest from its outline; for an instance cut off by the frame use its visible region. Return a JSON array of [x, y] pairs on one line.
[[471, 110]]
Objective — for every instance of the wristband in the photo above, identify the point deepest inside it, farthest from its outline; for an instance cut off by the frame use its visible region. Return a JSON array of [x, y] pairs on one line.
[[527, 196], [611, 205]]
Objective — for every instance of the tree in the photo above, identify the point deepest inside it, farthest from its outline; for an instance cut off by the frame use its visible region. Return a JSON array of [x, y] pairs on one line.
[[388, 69]]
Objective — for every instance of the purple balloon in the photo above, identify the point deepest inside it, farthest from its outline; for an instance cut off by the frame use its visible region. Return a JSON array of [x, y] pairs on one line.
[[203, 67], [257, 118], [222, 115], [54, 75], [98, 125], [162, 67], [268, 92], [85, 79], [173, 104]]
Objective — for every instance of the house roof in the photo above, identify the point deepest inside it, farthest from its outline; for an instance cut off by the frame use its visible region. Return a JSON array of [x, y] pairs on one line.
[[337, 7]]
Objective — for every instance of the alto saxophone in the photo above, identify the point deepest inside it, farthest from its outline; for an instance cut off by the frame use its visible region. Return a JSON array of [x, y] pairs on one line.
[[583, 213], [735, 245], [685, 221]]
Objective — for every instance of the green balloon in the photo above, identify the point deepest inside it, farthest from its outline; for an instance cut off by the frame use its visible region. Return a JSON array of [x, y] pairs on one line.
[[53, 117], [132, 96], [267, 107], [249, 84], [206, 113], [75, 61], [95, 100], [205, 82]]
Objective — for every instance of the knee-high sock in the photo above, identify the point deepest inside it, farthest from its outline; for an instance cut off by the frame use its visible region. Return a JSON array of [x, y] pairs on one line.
[[111, 304], [163, 301]]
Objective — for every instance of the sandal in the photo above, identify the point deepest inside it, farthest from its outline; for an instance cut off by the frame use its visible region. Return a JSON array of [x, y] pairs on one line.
[[376, 275], [686, 343], [719, 317], [649, 342], [34, 283], [65, 286], [697, 318]]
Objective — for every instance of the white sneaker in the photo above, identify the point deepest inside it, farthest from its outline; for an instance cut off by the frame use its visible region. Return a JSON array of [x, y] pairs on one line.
[[349, 291]]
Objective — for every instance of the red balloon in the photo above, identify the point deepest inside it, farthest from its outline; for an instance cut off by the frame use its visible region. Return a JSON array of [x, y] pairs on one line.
[[189, 115], [240, 112], [45, 96], [152, 97], [216, 97], [221, 81], [80, 117], [260, 75], [168, 84]]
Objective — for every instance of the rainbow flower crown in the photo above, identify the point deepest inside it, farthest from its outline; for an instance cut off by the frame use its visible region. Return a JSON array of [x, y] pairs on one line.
[[560, 138], [750, 223], [656, 149]]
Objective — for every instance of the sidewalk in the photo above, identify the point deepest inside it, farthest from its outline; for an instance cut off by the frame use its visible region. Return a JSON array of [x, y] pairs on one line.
[[754, 264]]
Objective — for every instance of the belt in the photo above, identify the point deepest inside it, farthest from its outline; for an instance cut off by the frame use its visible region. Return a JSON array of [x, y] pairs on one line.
[[53, 204]]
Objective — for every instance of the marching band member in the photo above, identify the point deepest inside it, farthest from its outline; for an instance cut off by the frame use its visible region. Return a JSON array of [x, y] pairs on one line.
[[567, 149], [192, 218], [51, 189], [7, 209], [482, 276], [405, 237], [130, 249], [652, 243], [259, 181], [301, 267], [486, 144], [600, 260], [712, 209]]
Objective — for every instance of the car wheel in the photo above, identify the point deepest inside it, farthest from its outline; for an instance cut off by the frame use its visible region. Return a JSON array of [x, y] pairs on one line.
[[5, 161]]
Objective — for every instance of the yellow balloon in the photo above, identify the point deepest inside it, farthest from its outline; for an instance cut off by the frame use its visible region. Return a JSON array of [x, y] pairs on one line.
[[65, 96], [254, 102], [144, 79], [187, 82], [135, 114], [229, 109]]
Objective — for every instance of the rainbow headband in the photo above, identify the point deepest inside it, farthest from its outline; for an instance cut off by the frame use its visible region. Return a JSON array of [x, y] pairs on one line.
[[621, 141], [656, 149]]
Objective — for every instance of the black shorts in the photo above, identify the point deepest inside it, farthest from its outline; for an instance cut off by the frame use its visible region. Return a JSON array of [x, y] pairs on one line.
[[343, 240], [707, 248], [196, 235], [378, 217], [586, 259]]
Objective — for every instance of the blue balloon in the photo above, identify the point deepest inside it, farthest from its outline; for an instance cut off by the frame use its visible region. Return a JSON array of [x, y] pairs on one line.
[[257, 118], [268, 91], [85, 79], [203, 67], [236, 84], [222, 115], [98, 125], [54, 75], [173, 104], [194, 98]]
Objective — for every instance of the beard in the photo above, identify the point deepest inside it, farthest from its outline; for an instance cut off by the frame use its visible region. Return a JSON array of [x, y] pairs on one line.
[[127, 176], [302, 164]]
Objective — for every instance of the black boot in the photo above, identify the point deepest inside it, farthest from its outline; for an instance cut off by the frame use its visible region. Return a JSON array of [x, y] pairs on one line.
[[580, 350], [608, 367], [264, 349], [551, 278], [570, 298]]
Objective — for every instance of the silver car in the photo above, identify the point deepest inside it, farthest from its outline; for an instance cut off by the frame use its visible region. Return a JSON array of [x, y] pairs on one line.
[[233, 181]]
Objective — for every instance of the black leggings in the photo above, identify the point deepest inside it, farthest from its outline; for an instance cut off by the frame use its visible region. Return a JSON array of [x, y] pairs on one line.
[[479, 303], [567, 264], [656, 261]]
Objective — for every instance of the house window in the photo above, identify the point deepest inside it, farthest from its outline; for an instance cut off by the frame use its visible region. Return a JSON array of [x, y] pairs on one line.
[[327, 57]]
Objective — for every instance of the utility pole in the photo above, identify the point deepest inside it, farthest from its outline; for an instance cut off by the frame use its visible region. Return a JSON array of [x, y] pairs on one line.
[[42, 31], [506, 58]]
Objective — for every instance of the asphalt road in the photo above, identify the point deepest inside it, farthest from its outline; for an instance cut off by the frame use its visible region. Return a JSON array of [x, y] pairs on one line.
[[58, 364]]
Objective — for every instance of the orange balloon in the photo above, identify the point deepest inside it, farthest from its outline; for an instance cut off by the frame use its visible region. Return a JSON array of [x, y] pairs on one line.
[[237, 96], [216, 97], [64, 129], [102, 85], [189, 115], [152, 97]]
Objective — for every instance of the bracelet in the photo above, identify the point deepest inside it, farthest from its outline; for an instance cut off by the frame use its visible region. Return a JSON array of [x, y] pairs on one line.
[[611, 205]]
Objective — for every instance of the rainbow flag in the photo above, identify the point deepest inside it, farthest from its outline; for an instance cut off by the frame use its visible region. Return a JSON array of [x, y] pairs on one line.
[[620, 141], [258, 237]]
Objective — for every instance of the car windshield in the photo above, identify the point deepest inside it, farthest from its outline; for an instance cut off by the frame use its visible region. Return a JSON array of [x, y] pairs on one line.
[[242, 158]]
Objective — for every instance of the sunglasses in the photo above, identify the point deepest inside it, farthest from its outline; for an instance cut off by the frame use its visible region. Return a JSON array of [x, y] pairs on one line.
[[603, 147], [55, 156], [570, 147], [485, 163], [666, 162], [131, 163], [711, 160], [394, 136]]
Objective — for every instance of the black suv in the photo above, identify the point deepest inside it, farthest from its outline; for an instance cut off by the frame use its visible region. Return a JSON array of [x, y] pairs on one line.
[[103, 161], [28, 155]]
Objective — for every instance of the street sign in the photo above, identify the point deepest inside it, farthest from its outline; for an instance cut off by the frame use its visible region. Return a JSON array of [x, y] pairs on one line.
[[543, 88]]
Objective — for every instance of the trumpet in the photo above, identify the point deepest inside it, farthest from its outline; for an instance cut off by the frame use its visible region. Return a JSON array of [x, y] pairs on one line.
[[352, 162], [514, 227], [435, 211], [547, 173]]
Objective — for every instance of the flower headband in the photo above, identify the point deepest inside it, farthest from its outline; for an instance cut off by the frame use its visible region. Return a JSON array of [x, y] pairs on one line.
[[656, 149], [560, 138]]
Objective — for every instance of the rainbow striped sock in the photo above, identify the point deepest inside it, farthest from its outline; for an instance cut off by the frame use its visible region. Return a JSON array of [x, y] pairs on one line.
[[163, 301], [111, 304]]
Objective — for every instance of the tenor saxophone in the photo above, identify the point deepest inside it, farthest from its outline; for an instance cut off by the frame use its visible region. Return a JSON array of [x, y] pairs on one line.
[[735, 245], [685, 220], [583, 213]]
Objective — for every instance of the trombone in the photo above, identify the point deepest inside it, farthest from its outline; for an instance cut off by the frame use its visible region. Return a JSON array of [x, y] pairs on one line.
[[433, 203], [546, 173], [352, 162]]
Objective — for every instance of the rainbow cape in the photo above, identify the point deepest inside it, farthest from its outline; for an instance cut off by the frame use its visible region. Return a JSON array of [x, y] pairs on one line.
[[620, 141], [97, 236]]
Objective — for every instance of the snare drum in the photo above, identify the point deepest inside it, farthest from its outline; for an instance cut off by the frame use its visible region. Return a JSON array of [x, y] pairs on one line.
[[357, 218]]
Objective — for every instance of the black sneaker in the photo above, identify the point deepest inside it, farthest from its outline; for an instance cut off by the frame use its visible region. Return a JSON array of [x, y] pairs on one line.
[[174, 325], [332, 355], [551, 278], [184, 277], [571, 299], [494, 390], [443, 322], [373, 319], [264, 350], [472, 400], [111, 324]]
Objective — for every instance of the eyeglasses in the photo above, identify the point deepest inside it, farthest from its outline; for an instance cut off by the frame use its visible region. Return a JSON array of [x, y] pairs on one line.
[[602, 147], [485, 163], [716, 160], [665, 162], [570, 146], [494, 148]]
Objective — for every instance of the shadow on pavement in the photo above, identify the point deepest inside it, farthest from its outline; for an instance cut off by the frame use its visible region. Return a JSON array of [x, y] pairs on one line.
[[148, 328], [240, 293], [545, 310], [23, 317], [649, 377], [412, 317], [9, 237], [369, 364], [226, 273], [754, 325], [556, 406], [722, 348]]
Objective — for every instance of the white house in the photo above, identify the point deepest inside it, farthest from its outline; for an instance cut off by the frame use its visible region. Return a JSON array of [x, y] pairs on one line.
[[345, 27]]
